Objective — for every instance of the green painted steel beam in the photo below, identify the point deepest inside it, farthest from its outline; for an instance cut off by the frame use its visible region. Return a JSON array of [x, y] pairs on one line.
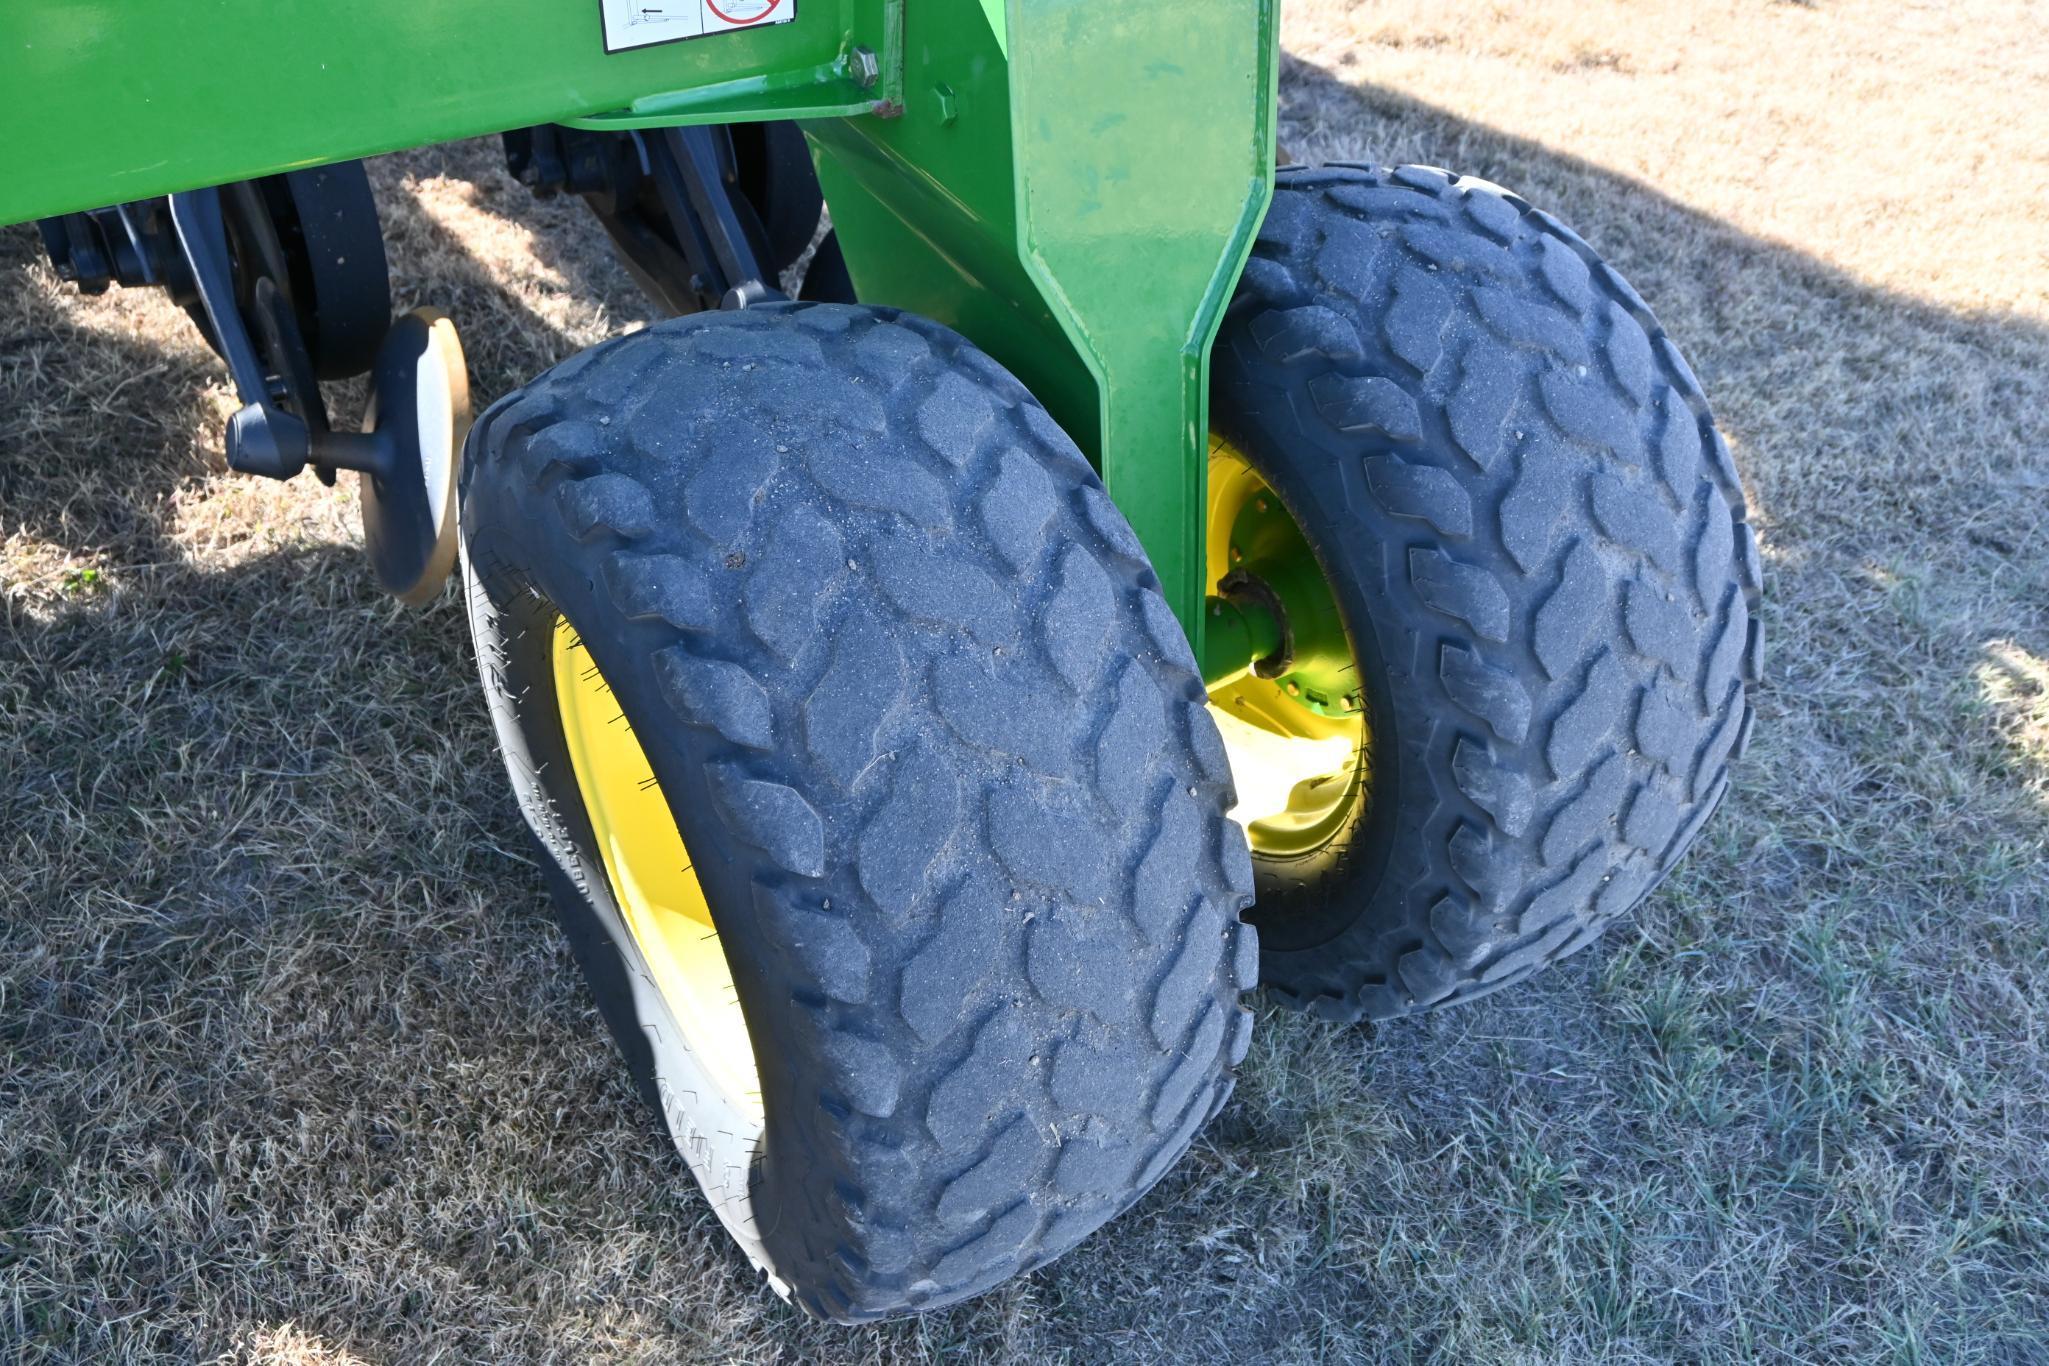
[[113, 100]]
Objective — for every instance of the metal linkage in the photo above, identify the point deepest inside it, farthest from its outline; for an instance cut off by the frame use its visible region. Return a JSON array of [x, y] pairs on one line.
[[674, 202], [1248, 632], [127, 245], [286, 278], [282, 426], [692, 177]]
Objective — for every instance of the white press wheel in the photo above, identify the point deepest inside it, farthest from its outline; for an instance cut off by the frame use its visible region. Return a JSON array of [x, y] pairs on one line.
[[420, 395]]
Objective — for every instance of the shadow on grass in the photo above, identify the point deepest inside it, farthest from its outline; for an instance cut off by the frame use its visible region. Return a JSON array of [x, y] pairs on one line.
[[288, 1032], [509, 340], [97, 425], [106, 413], [288, 1038]]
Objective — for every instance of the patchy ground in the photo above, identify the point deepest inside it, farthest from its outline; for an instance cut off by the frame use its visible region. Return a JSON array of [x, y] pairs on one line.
[[294, 1066]]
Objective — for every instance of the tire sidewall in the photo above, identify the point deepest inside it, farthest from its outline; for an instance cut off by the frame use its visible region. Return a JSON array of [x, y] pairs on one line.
[[519, 578]]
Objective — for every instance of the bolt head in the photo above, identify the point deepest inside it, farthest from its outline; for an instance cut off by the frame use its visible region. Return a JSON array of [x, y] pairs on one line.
[[863, 67]]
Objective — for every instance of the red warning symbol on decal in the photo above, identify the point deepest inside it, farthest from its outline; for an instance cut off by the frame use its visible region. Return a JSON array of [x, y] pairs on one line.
[[742, 12]]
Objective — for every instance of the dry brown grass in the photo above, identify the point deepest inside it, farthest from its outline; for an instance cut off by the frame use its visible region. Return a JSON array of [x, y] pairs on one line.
[[295, 1068]]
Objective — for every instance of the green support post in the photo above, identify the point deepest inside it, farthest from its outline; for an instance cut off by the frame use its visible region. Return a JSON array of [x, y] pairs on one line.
[[1076, 187]]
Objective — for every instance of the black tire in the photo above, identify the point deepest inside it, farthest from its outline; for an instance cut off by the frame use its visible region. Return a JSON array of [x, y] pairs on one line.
[[939, 754], [333, 241], [1537, 540], [321, 242]]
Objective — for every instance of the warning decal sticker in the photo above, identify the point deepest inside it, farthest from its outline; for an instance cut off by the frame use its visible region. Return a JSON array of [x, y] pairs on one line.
[[642, 23]]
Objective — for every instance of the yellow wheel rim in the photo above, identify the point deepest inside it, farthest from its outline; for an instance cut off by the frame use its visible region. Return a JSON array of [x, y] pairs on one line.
[[1300, 771], [651, 874]]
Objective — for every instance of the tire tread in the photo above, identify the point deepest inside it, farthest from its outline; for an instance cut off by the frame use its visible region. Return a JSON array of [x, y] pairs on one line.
[[783, 586], [1568, 572]]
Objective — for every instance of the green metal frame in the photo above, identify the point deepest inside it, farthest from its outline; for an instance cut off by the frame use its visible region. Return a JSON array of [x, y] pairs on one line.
[[1073, 184]]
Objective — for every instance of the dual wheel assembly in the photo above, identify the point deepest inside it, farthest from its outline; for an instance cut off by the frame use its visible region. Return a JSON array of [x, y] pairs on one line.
[[917, 864]]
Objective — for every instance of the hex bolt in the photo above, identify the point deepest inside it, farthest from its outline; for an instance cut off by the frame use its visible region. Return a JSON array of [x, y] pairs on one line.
[[863, 67]]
